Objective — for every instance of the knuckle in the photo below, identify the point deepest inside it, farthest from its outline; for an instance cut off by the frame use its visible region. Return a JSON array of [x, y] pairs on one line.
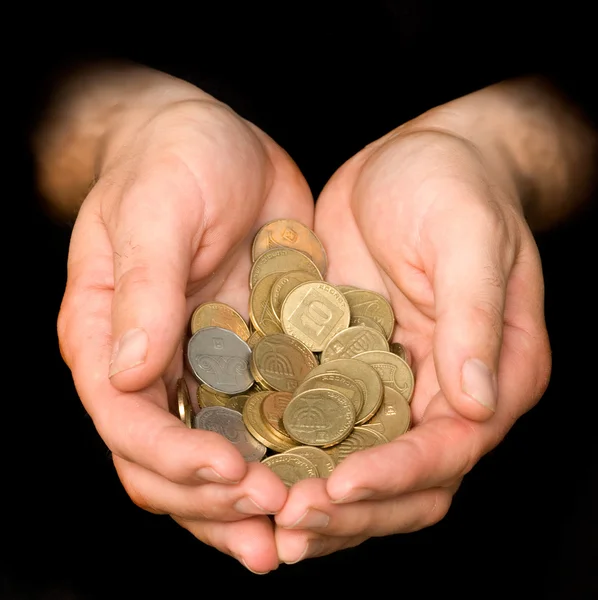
[[486, 315], [436, 506]]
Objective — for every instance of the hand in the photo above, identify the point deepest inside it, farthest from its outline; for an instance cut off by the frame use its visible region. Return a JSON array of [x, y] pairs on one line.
[[167, 226], [424, 218]]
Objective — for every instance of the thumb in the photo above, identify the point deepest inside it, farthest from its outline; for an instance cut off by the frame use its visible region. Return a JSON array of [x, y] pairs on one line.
[[152, 237], [472, 256]]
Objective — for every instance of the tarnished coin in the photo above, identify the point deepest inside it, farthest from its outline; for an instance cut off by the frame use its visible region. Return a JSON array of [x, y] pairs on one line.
[[282, 260], [209, 397], [334, 381], [353, 341], [291, 468], [260, 312], [279, 362], [283, 285], [184, 402], [237, 402], [365, 377], [290, 234], [229, 423], [253, 419], [314, 312], [217, 314], [393, 417], [373, 305], [359, 439], [317, 457], [393, 370], [273, 408], [400, 351], [319, 417], [220, 358], [360, 320]]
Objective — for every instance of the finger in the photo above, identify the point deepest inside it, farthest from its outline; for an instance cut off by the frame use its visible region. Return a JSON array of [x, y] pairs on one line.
[[294, 546], [309, 507], [250, 541], [135, 426], [260, 493]]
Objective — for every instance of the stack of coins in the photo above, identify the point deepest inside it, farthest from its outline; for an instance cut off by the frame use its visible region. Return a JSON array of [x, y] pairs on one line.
[[312, 378]]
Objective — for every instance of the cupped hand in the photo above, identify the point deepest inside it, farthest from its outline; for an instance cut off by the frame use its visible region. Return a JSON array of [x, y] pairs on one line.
[[168, 225], [427, 220]]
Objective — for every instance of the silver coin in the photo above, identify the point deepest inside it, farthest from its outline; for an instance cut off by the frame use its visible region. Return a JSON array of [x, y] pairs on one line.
[[220, 358], [229, 423]]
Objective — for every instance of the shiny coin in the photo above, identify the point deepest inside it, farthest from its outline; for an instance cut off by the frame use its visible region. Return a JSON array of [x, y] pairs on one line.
[[273, 408], [323, 463], [260, 312], [314, 312], [352, 341], [220, 358], [359, 320], [364, 376], [393, 370], [282, 287], [253, 419], [393, 417], [184, 402], [279, 362], [254, 338], [334, 381], [208, 397], [359, 439], [290, 234], [291, 468], [400, 351], [319, 417], [216, 314], [281, 261], [229, 423], [346, 288], [374, 306], [237, 402]]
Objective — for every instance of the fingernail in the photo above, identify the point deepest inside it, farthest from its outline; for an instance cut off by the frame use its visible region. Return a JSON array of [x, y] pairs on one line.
[[242, 561], [208, 474], [129, 351], [312, 548], [354, 496], [311, 518], [247, 506], [479, 383]]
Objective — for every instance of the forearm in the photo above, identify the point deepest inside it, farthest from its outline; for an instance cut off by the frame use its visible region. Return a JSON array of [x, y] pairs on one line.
[[92, 109], [532, 134]]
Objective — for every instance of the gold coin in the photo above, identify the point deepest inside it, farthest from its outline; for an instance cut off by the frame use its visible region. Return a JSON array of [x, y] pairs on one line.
[[290, 234], [237, 402], [252, 417], [282, 260], [217, 314], [400, 351], [283, 285], [359, 320], [273, 407], [184, 402], [393, 370], [359, 439], [352, 341], [323, 463], [291, 468], [334, 381], [346, 288], [314, 312], [254, 338], [365, 377], [373, 305], [209, 397], [319, 417], [260, 311], [393, 417], [279, 362]]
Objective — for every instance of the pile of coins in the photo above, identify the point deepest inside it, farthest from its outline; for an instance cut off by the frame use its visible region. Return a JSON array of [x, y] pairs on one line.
[[312, 378]]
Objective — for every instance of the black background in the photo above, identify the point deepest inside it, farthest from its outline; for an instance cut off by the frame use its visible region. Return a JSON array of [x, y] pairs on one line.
[[322, 85]]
